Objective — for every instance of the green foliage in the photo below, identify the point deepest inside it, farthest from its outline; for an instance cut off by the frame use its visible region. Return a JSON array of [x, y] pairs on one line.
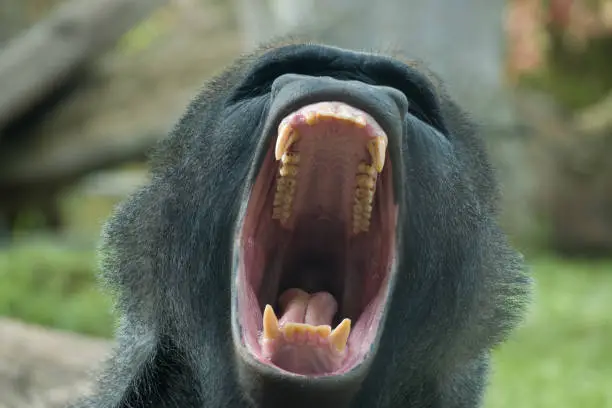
[[54, 287], [560, 358]]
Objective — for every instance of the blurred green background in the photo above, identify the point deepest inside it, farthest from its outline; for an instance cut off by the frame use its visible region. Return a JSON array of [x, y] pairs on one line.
[[555, 77]]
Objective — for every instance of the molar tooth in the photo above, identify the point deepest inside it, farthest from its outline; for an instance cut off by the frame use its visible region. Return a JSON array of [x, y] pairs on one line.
[[288, 170], [339, 336], [361, 193], [365, 181], [290, 158], [367, 169], [270, 324], [286, 137], [378, 149]]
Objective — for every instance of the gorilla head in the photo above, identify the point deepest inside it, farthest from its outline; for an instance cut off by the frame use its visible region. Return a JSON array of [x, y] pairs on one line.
[[320, 229]]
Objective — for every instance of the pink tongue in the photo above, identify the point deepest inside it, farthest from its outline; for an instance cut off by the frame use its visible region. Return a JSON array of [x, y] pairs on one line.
[[298, 306]]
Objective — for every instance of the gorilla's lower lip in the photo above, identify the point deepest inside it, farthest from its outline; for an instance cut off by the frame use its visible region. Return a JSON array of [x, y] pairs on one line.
[[317, 243]]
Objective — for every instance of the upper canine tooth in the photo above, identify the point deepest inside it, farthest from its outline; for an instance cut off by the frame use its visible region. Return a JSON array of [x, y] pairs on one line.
[[270, 324], [378, 149], [286, 137], [339, 336]]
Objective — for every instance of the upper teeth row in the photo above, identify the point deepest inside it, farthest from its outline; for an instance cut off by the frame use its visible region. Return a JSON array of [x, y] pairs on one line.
[[285, 187], [313, 114]]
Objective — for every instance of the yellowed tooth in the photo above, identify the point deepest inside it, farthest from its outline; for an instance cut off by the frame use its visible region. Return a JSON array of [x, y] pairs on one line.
[[270, 324], [289, 331], [301, 331], [365, 169], [286, 137], [365, 181], [288, 170], [290, 158], [323, 330], [360, 121], [339, 336], [378, 149], [311, 118]]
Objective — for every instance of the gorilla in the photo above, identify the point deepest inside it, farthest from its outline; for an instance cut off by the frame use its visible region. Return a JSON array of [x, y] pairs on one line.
[[320, 230]]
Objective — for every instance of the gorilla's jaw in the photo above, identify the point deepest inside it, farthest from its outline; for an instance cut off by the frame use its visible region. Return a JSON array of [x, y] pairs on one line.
[[317, 240]]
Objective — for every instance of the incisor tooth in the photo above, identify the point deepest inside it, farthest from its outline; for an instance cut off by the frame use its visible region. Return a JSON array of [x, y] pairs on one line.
[[286, 137], [288, 170], [360, 121], [270, 324], [323, 330], [339, 336], [311, 117], [297, 332], [378, 149]]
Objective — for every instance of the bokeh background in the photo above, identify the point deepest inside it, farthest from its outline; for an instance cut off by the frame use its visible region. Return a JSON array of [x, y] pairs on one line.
[[88, 86]]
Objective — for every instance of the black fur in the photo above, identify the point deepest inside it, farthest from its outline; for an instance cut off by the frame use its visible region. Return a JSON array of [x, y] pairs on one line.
[[167, 252]]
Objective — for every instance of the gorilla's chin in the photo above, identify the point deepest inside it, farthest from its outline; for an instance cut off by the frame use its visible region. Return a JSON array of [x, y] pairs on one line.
[[317, 243]]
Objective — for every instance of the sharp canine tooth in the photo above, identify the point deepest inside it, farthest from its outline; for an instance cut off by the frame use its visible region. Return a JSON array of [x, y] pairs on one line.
[[286, 137], [378, 148], [339, 336], [270, 324]]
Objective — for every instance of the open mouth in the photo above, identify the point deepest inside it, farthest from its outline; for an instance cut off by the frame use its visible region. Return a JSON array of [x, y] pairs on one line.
[[317, 243]]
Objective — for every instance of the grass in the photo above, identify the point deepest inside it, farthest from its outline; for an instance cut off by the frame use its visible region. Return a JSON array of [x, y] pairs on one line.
[[562, 355], [560, 358], [54, 287]]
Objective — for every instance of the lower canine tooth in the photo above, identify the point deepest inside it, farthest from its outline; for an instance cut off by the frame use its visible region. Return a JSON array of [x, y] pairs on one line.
[[270, 324], [339, 336]]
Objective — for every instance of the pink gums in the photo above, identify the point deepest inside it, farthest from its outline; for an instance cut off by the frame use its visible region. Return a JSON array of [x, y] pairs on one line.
[[330, 152]]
